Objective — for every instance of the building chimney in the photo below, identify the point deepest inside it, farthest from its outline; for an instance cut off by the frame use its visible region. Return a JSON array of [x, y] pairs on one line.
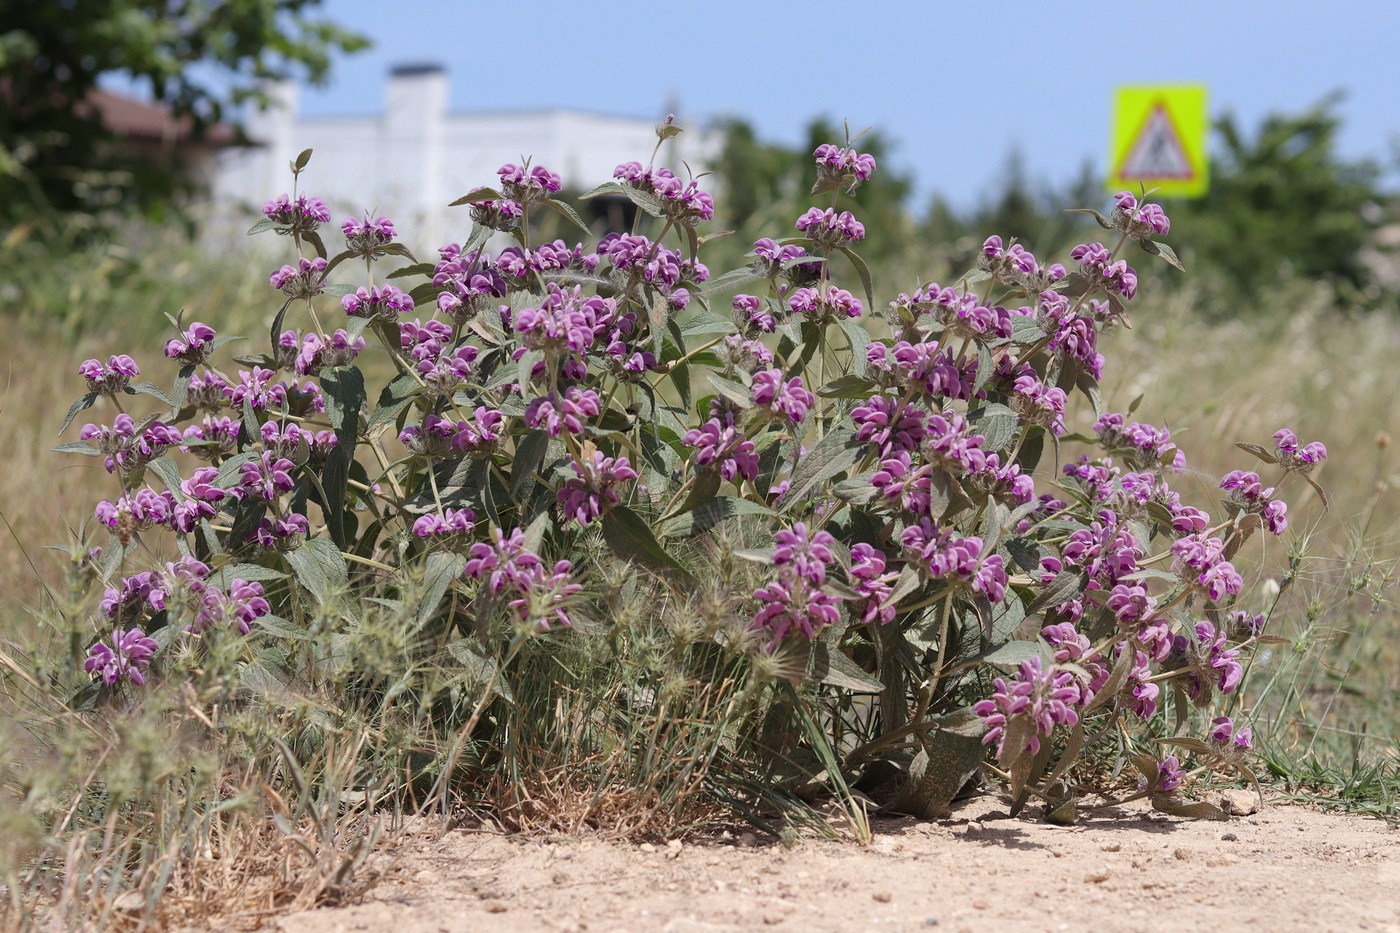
[[413, 147]]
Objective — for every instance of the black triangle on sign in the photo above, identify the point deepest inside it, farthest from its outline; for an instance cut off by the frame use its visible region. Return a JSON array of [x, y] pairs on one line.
[[1157, 151]]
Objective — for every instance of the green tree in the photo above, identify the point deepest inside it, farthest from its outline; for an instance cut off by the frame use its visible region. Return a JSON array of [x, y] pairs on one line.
[[200, 57], [1282, 203]]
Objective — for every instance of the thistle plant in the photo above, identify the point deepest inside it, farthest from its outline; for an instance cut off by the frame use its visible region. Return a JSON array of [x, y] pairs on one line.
[[898, 477]]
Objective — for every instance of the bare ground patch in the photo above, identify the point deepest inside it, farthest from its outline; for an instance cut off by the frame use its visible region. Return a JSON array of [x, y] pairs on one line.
[[1284, 868]]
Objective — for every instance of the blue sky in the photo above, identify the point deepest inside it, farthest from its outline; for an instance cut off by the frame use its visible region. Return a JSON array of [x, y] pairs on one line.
[[956, 86]]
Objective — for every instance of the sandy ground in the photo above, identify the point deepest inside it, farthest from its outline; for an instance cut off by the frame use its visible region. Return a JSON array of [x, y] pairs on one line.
[[1283, 868]]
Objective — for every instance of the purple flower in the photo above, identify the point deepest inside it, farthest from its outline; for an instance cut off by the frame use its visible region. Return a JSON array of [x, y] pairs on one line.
[[1201, 561], [193, 347], [1224, 734], [824, 303], [869, 579], [591, 491], [781, 399], [806, 556], [111, 378], [127, 657], [1040, 404], [316, 354], [527, 184], [1041, 697], [257, 389], [265, 478], [201, 499], [1140, 696], [281, 534], [136, 512], [841, 168], [1296, 460], [209, 392], [752, 312], [433, 439], [1248, 493], [565, 322], [872, 421], [793, 603], [384, 302], [214, 437], [719, 443], [367, 237], [303, 214], [554, 414], [1206, 661], [945, 556], [1140, 222], [828, 228], [452, 529], [1169, 775], [303, 280], [243, 604]]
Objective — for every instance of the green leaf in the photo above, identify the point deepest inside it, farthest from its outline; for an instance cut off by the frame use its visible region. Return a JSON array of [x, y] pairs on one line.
[[1102, 222], [83, 403], [151, 389], [250, 573], [314, 239], [828, 665], [480, 194], [344, 390], [735, 392], [863, 271], [628, 534], [169, 474], [1025, 552], [418, 268], [852, 387], [319, 566], [1066, 586], [442, 568], [859, 338], [938, 772], [643, 199], [264, 225], [302, 160], [857, 490], [838, 452], [709, 514], [392, 399], [1013, 653], [707, 322], [529, 454], [569, 213], [607, 187]]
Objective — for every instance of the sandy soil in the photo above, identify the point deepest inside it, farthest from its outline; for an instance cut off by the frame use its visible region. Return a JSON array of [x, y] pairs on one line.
[[1284, 868]]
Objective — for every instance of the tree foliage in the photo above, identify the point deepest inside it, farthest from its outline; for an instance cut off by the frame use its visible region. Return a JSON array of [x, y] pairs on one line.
[[199, 57], [1283, 202]]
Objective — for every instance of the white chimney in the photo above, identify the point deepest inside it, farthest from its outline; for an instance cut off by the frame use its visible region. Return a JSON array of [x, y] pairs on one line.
[[413, 146]]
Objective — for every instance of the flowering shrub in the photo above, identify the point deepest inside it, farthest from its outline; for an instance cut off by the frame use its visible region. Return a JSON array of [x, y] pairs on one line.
[[897, 475]]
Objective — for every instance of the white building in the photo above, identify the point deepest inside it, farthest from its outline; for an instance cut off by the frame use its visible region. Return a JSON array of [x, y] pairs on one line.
[[416, 157]]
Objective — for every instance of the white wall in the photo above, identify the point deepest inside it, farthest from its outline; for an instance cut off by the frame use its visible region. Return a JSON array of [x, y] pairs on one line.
[[410, 161]]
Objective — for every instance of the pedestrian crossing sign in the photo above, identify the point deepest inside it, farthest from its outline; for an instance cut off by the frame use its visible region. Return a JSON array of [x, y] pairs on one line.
[[1159, 140]]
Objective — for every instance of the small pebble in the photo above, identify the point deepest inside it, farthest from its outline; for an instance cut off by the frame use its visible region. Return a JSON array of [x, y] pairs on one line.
[[979, 905], [1098, 875], [647, 847], [884, 897], [1182, 854], [1229, 837]]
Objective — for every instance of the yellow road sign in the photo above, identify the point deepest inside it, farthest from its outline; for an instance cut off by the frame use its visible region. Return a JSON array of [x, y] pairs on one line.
[[1159, 140]]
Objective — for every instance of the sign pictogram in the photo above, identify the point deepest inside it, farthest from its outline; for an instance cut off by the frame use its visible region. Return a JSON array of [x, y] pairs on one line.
[[1159, 141]]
